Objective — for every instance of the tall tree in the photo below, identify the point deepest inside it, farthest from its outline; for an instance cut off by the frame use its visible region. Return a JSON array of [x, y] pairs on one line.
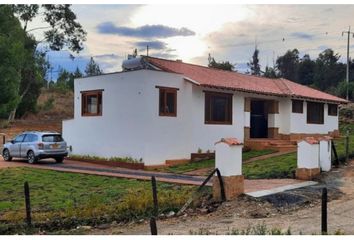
[[92, 68], [76, 74], [12, 51], [328, 71], [62, 31], [287, 65], [223, 65], [254, 64], [306, 70]]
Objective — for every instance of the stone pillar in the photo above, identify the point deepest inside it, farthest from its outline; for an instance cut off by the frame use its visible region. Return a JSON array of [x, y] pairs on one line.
[[247, 118], [308, 166], [228, 159], [273, 122], [325, 153]]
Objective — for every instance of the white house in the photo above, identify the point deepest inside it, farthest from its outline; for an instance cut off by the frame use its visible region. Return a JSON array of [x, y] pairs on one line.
[[158, 109]]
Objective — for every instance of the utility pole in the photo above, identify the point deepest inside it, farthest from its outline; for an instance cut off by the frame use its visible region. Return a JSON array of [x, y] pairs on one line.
[[348, 43]]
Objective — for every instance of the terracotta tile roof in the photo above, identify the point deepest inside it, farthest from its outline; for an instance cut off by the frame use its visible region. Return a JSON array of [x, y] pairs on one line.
[[209, 77], [310, 140], [230, 141]]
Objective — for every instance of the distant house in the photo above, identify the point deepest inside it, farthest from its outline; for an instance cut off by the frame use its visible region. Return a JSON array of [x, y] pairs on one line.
[[158, 109]]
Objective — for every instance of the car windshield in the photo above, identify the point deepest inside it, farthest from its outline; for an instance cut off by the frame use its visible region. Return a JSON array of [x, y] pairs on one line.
[[52, 138]]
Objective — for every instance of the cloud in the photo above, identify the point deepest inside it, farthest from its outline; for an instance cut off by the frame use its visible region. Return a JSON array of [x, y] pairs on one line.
[[302, 35], [145, 31], [157, 45]]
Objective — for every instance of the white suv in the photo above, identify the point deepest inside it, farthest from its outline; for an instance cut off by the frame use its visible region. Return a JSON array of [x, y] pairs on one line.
[[35, 146]]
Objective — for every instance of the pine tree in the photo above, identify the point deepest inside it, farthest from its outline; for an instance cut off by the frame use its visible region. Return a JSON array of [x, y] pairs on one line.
[[92, 68], [254, 64]]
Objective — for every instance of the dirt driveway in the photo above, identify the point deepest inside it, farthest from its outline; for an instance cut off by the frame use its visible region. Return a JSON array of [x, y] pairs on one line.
[[242, 213]]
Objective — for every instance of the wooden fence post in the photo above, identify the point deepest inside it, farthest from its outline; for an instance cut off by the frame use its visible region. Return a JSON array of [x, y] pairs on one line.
[[154, 195], [153, 226], [221, 182], [324, 211], [334, 150], [347, 146], [28, 204]]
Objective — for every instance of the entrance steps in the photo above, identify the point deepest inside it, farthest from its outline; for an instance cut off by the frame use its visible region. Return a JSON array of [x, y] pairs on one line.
[[275, 144]]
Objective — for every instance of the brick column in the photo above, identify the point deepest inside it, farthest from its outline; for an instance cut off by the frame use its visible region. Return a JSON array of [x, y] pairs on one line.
[[308, 166], [228, 159]]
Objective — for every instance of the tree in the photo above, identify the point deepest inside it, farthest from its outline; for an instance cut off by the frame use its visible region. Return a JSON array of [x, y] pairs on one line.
[[269, 72], [92, 68], [306, 70], [328, 71], [11, 61], [287, 65], [76, 74], [62, 31], [220, 65], [254, 64]]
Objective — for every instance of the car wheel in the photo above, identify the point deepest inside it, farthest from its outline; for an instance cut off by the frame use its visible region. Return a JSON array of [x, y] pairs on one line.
[[59, 159], [31, 157], [6, 155]]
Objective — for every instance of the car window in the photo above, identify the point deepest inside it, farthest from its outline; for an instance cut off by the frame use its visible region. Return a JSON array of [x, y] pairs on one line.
[[19, 138], [31, 138], [52, 138]]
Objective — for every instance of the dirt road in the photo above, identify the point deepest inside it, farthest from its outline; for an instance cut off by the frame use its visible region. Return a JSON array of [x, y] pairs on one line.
[[240, 214]]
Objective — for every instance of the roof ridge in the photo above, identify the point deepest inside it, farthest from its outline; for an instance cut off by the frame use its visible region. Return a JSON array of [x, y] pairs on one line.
[[210, 68]]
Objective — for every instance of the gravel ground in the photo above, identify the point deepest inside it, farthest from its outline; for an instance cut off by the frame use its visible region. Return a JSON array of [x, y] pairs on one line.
[[298, 210]]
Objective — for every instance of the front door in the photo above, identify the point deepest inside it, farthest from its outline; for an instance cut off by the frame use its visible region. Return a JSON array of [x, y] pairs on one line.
[[259, 119]]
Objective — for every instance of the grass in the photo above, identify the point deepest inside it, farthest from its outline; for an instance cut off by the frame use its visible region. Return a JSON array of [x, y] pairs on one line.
[[340, 143], [211, 162], [112, 159], [82, 199], [282, 166]]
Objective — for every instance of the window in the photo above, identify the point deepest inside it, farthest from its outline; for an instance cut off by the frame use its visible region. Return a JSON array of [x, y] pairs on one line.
[[19, 138], [315, 113], [218, 108], [31, 138], [52, 138], [332, 109], [168, 101], [91, 103], [297, 106]]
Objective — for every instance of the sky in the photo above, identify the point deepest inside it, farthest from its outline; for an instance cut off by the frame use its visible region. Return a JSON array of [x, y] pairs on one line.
[[191, 32]]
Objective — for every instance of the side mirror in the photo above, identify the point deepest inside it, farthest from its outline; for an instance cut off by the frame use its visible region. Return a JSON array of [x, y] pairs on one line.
[[12, 141]]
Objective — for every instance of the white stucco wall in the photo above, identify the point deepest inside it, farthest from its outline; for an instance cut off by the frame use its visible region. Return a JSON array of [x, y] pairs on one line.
[[284, 116], [205, 135], [130, 125], [307, 155], [298, 122], [325, 155], [228, 159]]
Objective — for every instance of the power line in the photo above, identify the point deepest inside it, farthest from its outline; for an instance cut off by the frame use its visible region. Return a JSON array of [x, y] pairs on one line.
[[348, 60]]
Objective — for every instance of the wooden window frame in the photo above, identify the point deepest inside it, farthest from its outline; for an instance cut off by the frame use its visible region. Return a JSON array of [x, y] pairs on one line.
[[168, 90], [293, 106], [335, 112], [208, 95], [321, 120], [84, 95]]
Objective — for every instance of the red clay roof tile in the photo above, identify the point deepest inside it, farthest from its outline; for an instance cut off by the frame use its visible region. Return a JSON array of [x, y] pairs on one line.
[[230, 141], [209, 77]]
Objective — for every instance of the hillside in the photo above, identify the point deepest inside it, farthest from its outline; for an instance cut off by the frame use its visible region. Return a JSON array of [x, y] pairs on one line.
[[53, 107]]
